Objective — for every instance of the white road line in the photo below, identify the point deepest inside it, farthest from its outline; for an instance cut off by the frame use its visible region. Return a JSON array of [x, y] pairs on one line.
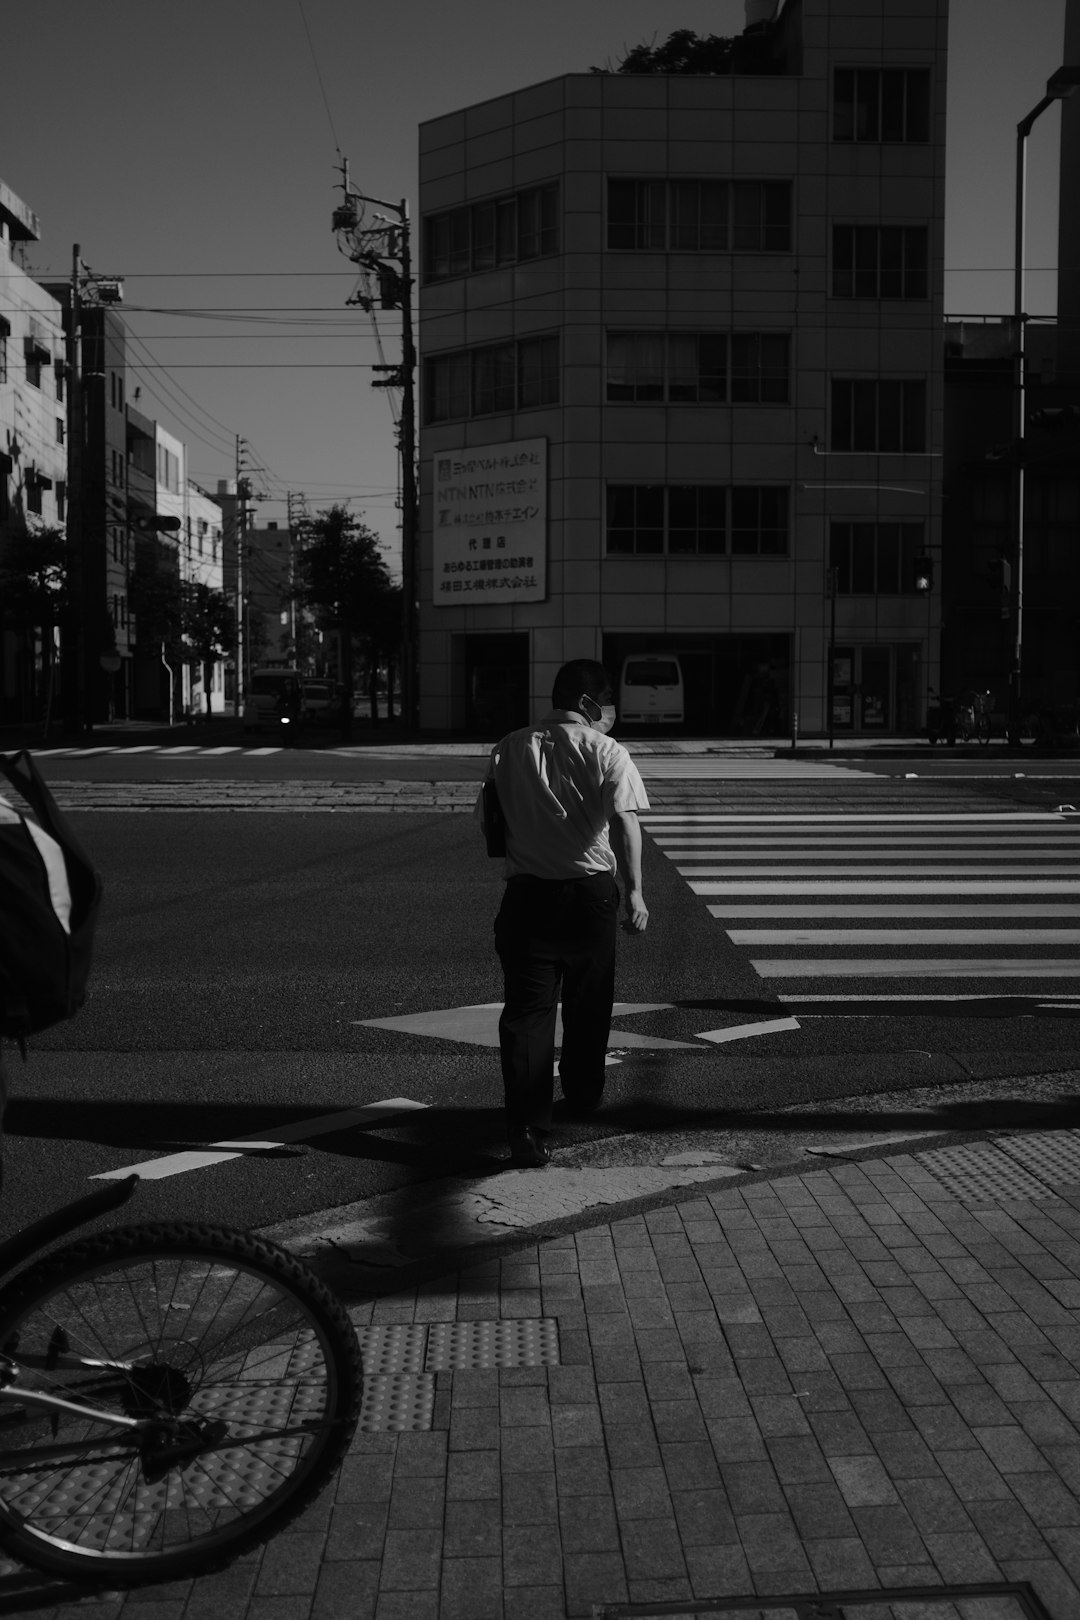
[[1008, 910], [911, 869], [739, 1032], [253, 751], [838, 818], [904, 936], [175, 1164], [183, 748], [797, 998], [835, 886], [1050, 838], [937, 967], [232, 748]]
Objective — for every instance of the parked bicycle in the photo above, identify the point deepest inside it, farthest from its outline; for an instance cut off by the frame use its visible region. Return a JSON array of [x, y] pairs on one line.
[[964, 717], [171, 1394]]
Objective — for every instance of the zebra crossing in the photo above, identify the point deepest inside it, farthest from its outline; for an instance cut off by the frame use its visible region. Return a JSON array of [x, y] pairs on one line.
[[191, 749], [653, 767], [844, 907]]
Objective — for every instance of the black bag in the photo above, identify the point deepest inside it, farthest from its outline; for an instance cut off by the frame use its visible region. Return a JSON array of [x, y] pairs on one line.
[[494, 820], [50, 893]]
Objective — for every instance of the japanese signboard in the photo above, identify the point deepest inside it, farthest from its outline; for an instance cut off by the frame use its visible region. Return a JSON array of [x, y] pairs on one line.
[[490, 524]]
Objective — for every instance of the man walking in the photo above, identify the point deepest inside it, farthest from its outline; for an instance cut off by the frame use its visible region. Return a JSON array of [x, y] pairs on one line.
[[563, 786]]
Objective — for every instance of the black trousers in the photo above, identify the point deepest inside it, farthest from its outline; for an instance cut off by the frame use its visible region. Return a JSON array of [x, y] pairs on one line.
[[550, 934]]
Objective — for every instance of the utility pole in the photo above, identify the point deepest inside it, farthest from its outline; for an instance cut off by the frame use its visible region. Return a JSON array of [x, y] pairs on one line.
[[82, 652], [379, 245], [240, 524], [76, 696]]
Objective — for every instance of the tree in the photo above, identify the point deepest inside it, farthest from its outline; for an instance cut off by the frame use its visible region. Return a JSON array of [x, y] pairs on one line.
[[33, 594], [682, 52], [208, 626], [341, 576]]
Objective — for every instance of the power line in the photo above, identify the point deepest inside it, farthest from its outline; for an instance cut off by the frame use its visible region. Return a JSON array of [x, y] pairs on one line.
[[318, 75]]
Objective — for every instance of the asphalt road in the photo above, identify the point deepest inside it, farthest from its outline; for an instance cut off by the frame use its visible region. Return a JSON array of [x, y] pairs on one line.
[[240, 956]]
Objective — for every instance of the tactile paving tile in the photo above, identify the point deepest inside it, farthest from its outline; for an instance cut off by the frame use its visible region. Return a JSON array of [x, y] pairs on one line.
[[518, 1342], [398, 1401], [1054, 1156], [393, 1347], [979, 1171]]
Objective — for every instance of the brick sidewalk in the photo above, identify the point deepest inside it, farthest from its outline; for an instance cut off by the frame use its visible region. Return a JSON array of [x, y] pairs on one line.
[[854, 1377]]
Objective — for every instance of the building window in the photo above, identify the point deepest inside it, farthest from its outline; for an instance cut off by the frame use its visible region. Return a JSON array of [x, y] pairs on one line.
[[881, 104], [5, 333], [696, 520], [698, 367], [495, 379], [60, 374], [33, 496], [875, 559], [702, 216], [59, 430], [61, 501], [880, 261], [876, 415], [168, 469], [759, 521], [488, 234], [33, 367]]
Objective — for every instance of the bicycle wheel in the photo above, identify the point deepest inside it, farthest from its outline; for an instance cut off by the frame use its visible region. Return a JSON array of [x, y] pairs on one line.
[[983, 729], [252, 1366]]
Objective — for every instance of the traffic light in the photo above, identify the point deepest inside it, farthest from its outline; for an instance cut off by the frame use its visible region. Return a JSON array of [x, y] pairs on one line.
[[146, 522], [922, 580]]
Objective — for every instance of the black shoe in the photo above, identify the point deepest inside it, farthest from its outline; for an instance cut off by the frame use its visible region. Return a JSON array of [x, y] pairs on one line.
[[528, 1150]]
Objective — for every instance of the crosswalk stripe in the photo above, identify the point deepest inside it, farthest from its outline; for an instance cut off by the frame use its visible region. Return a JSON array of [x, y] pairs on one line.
[[826, 871], [837, 886], [904, 936], [937, 896], [840, 818], [940, 967], [846, 909]]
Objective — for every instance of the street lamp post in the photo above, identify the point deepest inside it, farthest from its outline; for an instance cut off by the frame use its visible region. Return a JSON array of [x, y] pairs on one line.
[[1060, 85]]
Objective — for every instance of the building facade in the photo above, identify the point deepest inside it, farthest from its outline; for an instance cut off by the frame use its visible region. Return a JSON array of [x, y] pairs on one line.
[[681, 382], [33, 453]]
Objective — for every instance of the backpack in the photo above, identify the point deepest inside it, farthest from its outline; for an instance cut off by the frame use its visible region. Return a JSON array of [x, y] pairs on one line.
[[50, 893]]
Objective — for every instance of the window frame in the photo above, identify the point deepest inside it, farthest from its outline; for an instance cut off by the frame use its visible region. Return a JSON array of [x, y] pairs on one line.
[[457, 378], [746, 381], [653, 216], [491, 233], [653, 508], [876, 88], [910, 542], [850, 261], [866, 403]]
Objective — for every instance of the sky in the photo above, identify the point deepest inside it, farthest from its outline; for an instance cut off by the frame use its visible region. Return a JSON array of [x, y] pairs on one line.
[[193, 150]]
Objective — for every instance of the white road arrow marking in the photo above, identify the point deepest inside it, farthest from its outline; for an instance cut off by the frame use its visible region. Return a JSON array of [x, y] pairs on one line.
[[175, 1164], [478, 1024]]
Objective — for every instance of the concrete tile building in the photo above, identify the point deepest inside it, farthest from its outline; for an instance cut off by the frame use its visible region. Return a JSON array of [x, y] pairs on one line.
[[33, 450], [681, 348]]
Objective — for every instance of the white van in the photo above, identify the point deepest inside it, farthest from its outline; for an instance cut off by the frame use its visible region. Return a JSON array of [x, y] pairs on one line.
[[265, 688], [651, 690]]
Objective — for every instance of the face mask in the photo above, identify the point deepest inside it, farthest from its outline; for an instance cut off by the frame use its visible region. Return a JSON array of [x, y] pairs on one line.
[[600, 716]]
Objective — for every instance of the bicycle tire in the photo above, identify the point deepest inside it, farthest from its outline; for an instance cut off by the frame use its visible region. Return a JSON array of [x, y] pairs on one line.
[[983, 729], [187, 1321]]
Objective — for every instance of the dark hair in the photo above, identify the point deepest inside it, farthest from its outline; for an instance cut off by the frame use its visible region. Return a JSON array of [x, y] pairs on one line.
[[580, 675]]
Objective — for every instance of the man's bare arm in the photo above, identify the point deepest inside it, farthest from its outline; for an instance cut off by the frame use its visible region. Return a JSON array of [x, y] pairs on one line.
[[625, 830]]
